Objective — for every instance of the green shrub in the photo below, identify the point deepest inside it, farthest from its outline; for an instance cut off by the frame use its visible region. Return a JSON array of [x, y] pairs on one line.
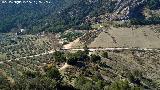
[[59, 56], [95, 58], [83, 84], [119, 85], [72, 59], [54, 73], [105, 54]]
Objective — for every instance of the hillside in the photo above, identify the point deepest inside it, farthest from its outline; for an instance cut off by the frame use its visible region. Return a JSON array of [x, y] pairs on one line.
[[59, 15], [142, 37], [81, 70], [28, 15], [80, 45]]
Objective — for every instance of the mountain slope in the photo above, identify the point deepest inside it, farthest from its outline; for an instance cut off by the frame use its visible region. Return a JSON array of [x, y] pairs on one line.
[[26, 15], [60, 15]]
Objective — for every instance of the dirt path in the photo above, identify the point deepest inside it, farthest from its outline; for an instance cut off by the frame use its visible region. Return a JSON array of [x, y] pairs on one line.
[[91, 49], [49, 52], [64, 67], [71, 44]]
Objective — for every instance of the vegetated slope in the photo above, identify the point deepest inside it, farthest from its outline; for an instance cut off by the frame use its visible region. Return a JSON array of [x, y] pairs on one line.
[[55, 16], [13, 47], [139, 69], [60, 15], [142, 37], [28, 15], [134, 62]]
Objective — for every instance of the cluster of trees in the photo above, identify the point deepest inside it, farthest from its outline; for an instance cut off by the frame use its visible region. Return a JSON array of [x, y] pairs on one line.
[[78, 56], [152, 20], [140, 18], [73, 58], [59, 56]]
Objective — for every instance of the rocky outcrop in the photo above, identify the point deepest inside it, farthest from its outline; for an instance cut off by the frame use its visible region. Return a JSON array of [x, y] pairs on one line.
[[125, 8]]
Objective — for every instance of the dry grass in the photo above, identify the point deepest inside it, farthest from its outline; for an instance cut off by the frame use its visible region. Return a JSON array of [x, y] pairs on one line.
[[75, 44], [143, 37]]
